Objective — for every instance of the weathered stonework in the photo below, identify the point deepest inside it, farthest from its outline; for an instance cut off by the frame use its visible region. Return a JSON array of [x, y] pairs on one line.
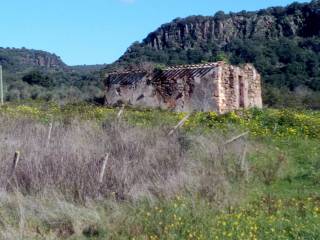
[[218, 87]]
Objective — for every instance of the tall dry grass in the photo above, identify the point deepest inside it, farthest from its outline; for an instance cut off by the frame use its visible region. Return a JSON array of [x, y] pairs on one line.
[[141, 162]]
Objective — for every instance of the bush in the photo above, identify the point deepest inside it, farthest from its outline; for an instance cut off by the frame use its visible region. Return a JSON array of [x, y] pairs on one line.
[[38, 78]]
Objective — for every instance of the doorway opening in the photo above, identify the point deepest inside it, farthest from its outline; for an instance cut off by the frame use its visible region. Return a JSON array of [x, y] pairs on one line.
[[241, 92]]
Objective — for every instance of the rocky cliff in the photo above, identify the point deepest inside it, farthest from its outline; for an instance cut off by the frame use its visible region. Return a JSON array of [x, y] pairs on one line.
[[273, 23], [18, 59]]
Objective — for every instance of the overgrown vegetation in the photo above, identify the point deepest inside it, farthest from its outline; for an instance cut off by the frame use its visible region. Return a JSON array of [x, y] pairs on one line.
[[190, 185]]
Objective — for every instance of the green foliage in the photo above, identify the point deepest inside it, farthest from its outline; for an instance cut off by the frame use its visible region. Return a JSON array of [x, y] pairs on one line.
[[183, 218], [37, 78], [57, 86], [32, 74], [283, 62], [261, 123], [16, 60], [222, 57]]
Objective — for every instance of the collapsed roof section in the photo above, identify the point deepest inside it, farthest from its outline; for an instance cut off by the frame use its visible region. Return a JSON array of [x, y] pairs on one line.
[[170, 73]]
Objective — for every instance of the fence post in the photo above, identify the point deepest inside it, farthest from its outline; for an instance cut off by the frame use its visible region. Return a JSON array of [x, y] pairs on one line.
[[121, 111], [236, 138], [103, 168], [180, 124], [1, 87], [49, 134], [15, 162]]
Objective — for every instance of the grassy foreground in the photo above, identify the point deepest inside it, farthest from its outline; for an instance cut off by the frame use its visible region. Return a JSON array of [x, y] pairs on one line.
[[186, 186]]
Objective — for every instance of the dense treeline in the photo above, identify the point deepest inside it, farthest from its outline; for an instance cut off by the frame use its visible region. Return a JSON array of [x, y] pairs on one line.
[[57, 86], [34, 74]]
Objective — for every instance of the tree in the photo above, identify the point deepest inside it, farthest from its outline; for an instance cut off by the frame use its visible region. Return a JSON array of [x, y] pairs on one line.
[[38, 78]]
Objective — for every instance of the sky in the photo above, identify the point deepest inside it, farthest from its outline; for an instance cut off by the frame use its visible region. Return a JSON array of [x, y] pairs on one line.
[[99, 31]]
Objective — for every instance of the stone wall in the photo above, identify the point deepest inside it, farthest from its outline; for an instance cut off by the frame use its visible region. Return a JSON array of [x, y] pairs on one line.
[[254, 87], [204, 93], [221, 88], [188, 93], [138, 94], [239, 87]]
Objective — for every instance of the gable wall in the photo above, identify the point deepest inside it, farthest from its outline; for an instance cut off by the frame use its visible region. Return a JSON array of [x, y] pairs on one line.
[[239, 88], [187, 93], [254, 88], [205, 94]]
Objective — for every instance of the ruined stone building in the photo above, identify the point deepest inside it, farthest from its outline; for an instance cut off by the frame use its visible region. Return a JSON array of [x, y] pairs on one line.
[[218, 87]]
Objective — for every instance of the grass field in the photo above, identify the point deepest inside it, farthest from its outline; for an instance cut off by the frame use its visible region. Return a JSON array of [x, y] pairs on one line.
[[192, 184]]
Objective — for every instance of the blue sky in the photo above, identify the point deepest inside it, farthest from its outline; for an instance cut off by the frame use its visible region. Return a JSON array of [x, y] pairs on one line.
[[99, 31]]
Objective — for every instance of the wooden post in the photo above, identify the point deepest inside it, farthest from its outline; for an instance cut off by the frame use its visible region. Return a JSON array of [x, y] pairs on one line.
[[236, 138], [49, 134], [180, 124], [222, 149], [120, 112], [103, 168], [243, 162], [1, 87], [15, 162]]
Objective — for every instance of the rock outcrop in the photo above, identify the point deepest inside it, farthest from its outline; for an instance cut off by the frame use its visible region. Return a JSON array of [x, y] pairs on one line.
[[295, 20], [19, 59]]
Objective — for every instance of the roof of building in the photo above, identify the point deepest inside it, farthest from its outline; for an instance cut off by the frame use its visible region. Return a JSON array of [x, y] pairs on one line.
[[126, 78], [185, 71], [170, 73]]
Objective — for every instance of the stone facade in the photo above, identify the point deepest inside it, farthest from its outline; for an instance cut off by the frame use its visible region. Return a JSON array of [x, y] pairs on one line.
[[218, 87]]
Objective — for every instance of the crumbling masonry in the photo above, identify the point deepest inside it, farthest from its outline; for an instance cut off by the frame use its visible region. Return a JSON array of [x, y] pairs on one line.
[[218, 87]]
